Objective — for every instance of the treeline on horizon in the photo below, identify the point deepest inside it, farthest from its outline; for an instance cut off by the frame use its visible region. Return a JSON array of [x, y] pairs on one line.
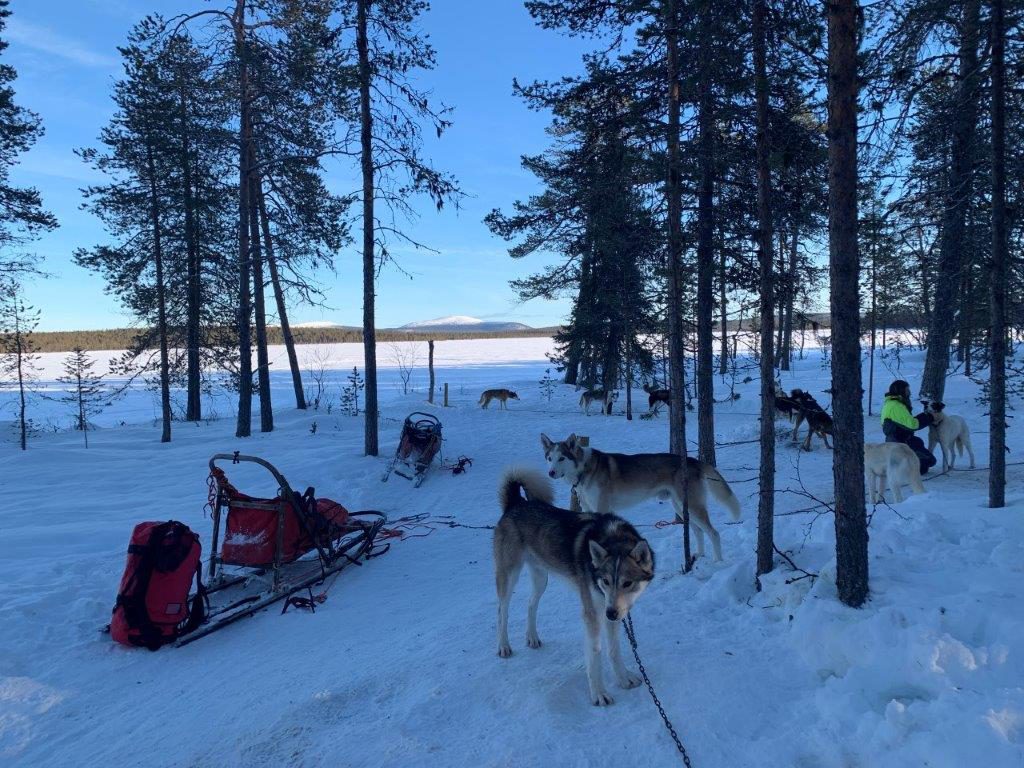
[[116, 339]]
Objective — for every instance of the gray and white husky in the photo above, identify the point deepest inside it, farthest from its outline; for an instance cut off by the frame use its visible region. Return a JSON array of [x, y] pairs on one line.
[[607, 481], [606, 398], [602, 556]]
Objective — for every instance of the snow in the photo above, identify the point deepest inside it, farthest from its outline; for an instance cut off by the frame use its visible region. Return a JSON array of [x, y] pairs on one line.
[[319, 324], [448, 320], [398, 667]]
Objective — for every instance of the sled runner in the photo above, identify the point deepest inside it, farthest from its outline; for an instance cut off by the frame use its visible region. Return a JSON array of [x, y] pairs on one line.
[[274, 548], [419, 443]]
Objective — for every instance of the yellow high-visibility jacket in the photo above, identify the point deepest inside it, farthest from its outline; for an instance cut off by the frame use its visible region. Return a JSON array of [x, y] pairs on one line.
[[895, 410]]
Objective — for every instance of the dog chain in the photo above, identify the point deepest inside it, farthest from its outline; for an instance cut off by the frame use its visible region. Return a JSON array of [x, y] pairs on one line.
[[628, 624]]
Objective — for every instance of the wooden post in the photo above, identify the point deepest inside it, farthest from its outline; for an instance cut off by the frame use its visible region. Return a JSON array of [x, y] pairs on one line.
[[574, 501], [430, 366], [446, 394]]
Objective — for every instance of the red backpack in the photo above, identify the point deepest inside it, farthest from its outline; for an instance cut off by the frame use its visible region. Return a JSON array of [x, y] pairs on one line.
[[152, 606]]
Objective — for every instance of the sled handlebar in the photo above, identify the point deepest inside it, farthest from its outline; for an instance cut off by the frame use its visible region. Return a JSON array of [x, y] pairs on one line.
[[237, 458]]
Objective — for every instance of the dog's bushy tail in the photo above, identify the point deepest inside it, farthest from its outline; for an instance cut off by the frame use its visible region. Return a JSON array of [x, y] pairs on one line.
[[519, 480], [720, 489]]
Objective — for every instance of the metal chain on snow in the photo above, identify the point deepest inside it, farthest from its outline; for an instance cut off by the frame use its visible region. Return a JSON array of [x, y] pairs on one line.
[[628, 624]]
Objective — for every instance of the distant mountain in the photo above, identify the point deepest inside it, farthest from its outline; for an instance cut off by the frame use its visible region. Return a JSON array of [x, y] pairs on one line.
[[318, 324], [463, 323]]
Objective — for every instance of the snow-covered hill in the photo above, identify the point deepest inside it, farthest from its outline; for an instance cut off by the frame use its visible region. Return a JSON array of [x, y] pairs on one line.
[[463, 323]]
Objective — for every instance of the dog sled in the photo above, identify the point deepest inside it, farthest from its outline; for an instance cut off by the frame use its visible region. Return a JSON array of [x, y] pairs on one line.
[[418, 444], [266, 550]]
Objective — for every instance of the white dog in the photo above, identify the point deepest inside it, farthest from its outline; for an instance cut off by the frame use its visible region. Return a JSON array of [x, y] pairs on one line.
[[949, 432], [892, 463]]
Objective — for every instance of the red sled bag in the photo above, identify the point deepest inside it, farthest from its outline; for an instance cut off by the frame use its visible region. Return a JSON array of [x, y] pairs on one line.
[[152, 606]]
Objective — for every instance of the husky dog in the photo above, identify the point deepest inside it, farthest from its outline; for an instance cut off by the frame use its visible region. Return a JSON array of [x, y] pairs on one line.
[[656, 396], [895, 463], [786, 406], [603, 556], [818, 421], [949, 432], [501, 395], [606, 398], [607, 481]]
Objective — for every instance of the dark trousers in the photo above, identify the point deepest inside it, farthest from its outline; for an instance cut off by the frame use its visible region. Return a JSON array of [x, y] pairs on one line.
[[896, 433]]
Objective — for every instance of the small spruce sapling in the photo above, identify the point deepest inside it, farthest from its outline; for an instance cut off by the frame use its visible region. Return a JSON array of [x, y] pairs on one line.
[[82, 389], [547, 385], [350, 392]]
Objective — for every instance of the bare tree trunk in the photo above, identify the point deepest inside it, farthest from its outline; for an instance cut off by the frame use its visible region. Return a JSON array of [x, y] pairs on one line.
[[370, 446], [629, 371], [723, 304], [705, 249], [244, 425], [282, 309], [951, 260], [874, 325], [430, 368], [787, 336], [848, 459], [674, 201], [20, 350], [766, 473], [966, 314], [161, 299], [997, 298], [194, 402], [259, 307]]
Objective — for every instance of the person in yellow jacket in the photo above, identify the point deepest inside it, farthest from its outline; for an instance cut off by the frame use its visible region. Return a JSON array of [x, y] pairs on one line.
[[899, 425]]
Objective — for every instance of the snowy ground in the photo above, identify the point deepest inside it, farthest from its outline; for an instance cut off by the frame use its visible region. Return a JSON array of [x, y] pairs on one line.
[[398, 667]]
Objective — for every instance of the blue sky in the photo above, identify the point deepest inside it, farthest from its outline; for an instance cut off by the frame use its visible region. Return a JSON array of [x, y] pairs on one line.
[[66, 57]]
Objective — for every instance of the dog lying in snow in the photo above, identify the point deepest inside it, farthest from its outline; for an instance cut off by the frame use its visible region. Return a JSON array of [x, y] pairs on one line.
[[949, 432]]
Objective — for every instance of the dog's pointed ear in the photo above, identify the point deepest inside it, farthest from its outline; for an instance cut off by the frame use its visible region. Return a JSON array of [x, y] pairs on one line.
[[641, 553], [598, 554], [570, 442], [546, 441]]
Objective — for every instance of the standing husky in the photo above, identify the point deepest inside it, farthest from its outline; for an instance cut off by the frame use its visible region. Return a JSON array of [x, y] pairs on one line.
[[606, 398], [949, 432], [501, 395], [602, 555], [607, 481], [892, 463]]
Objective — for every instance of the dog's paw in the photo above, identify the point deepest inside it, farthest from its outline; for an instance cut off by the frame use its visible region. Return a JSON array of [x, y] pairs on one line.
[[601, 699], [504, 651], [533, 641], [629, 680]]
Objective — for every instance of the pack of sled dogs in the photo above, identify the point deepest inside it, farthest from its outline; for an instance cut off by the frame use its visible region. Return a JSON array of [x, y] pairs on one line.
[[800, 407], [600, 553], [605, 559]]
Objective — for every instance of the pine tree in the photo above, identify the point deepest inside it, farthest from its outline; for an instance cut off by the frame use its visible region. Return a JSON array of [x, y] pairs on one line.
[[83, 389], [998, 271], [766, 476], [593, 212], [392, 114], [848, 460], [138, 204], [22, 216], [18, 356], [350, 392]]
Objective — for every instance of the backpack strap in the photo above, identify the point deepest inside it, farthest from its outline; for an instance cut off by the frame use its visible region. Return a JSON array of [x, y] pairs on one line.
[[199, 606]]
